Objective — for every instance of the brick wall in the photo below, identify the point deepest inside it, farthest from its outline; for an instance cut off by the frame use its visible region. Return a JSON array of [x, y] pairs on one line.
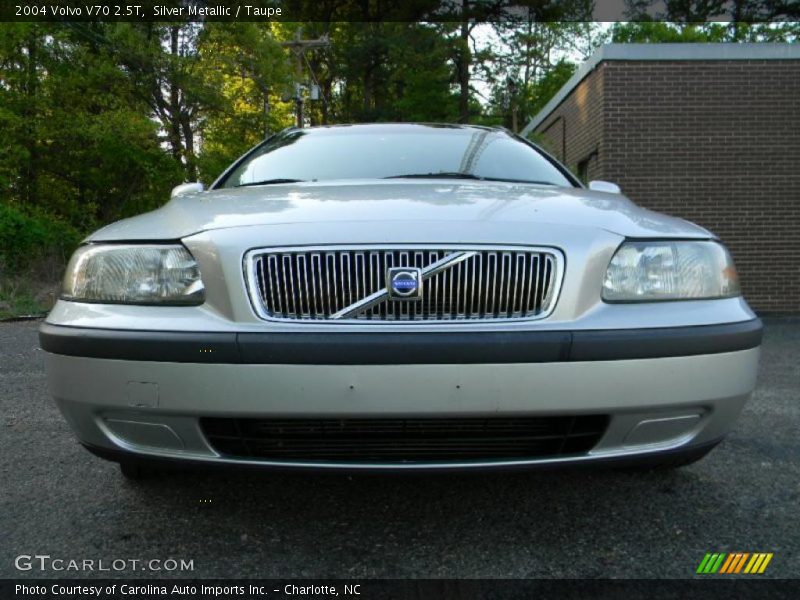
[[580, 117], [715, 142]]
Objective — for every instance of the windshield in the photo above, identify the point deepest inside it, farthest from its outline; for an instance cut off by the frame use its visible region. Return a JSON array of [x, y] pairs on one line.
[[381, 152]]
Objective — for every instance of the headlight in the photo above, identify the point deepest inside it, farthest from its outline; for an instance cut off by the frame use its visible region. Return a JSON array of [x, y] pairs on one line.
[[126, 274], [652, 271]]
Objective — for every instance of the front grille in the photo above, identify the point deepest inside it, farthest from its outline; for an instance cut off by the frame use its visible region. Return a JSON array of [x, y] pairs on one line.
[[401, 441], [316, 284]]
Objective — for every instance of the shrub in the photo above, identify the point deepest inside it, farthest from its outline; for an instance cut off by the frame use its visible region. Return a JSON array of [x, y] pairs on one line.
[[32, 242]]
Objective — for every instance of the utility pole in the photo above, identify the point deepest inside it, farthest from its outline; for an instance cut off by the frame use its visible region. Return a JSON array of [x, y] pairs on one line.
[[298, 46]]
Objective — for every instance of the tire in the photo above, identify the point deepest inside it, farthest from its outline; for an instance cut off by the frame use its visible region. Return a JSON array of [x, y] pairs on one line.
[[669, 463]]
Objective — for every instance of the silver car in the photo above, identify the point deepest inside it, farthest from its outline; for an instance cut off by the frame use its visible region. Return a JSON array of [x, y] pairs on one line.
[[400, 297]]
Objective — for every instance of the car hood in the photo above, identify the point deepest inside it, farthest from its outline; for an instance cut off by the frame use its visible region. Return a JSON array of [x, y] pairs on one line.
[[399, 201]]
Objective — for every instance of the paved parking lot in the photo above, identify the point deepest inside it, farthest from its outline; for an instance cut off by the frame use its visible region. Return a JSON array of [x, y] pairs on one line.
[[57, 499]]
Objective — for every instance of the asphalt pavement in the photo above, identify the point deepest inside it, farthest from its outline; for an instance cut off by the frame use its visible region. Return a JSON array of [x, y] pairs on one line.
[[58, 500]]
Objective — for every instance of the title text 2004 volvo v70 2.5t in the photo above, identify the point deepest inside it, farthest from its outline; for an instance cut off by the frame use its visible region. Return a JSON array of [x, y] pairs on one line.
[[401, 297]]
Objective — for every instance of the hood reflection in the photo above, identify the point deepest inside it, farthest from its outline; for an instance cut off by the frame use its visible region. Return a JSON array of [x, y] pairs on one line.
[[399, 201]]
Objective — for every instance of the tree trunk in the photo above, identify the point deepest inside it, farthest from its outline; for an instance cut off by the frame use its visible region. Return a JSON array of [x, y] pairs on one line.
[[367, 105], [188, 142], [174, 129], [464, 60], [30, 111], [267, 109], [326, 84]]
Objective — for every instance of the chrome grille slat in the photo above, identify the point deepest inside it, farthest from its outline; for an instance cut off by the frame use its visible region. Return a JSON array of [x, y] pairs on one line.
[[288, 285], [419, 262], [516, 307], [491, 290], [361, 269], [542, 269], [302, 278], [344, 277], [534, 283], [331, 281], [315, 279], [489, 283], [549, 269]]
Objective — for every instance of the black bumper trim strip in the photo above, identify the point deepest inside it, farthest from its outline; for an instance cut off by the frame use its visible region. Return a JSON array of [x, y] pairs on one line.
[[621, 344], [405, 348], [160, 346], [385, 348]]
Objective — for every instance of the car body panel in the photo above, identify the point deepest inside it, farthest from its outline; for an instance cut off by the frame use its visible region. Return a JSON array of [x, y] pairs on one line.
[[361, 203], [220, 255], [703, 395], [206, 319], [600, 357]]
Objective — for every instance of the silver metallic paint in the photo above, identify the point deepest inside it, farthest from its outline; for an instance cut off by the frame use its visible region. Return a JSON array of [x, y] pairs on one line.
[[715, 387], [219, 227]]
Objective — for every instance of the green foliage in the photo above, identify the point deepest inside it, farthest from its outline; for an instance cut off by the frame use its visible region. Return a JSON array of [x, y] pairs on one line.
[[549, 84], [655, 32], [28, 238], [247, 66], [533, 61], [98, 121], [17, 298], [83, 145], [419, 78], [665, 32], [385, 72], [34, 247]]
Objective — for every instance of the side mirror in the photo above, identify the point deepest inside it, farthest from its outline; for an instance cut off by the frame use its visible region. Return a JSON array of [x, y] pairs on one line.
[[605, 186], [186, 188]]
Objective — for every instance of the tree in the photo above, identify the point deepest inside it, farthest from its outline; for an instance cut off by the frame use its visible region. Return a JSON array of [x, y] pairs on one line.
[[247, 66], [665, 32], [82, 146], [22, 63], [382, 71], [668, 32], [689, 11], [163, 62], [530, 53], [464, 53]]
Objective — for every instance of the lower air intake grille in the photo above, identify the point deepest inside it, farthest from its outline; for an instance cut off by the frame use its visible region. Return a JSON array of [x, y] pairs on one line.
[[404, 440]]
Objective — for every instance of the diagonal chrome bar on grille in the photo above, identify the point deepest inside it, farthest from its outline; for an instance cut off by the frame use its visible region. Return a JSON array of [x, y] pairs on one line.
[[382, 295]]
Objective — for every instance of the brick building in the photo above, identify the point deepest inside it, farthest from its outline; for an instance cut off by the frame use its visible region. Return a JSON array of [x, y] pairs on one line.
[[707, 132]]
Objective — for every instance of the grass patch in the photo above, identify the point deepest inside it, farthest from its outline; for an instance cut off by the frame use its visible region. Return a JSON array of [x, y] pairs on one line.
[[22, 297]]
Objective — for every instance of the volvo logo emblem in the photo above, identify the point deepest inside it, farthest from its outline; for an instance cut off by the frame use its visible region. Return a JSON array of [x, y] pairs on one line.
[[405, 283]]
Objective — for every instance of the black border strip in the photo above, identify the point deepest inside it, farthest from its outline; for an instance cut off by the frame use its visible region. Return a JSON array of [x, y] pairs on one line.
[[393, 348], [694, 586]]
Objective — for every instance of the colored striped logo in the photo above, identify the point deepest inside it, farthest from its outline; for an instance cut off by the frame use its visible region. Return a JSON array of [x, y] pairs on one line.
[[735, 562]]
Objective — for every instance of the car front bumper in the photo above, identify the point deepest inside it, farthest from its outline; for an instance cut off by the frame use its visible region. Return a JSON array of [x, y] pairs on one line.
[[142, 394]]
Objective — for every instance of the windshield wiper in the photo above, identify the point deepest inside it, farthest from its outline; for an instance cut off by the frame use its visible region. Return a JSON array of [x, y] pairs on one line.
[[435, 176], [456, 175], [270, 182]]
